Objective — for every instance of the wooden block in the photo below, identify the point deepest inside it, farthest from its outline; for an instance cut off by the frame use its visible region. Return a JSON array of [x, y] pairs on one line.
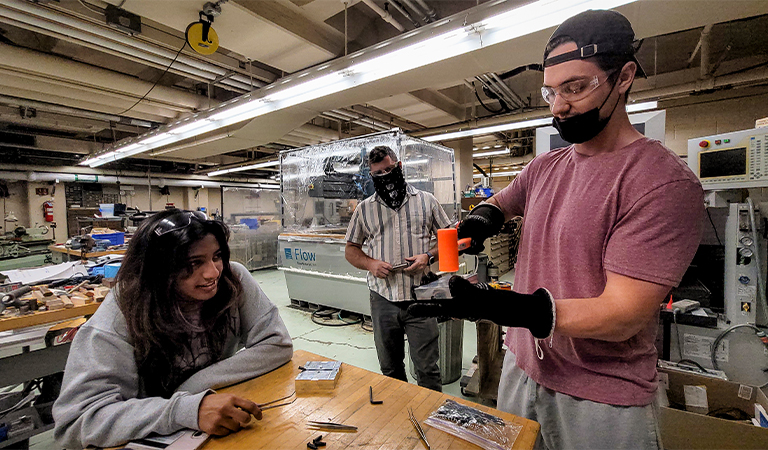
[[78, 300], [66, 301], [54, 304], [100, 293], [45, 291], [109, 282], [39, 296]]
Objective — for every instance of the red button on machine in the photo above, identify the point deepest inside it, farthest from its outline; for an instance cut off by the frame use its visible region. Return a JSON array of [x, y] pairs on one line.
[[717, 142], [704, 144]]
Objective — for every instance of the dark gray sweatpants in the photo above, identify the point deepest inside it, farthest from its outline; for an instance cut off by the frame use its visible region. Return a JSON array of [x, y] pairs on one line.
[[391, 322]]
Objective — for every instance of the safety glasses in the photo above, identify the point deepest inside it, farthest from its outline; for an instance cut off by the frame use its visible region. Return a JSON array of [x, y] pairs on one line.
[[178, 221], [575, 90]]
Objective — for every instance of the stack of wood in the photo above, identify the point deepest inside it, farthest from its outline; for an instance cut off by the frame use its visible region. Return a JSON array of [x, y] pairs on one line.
[[82, 294]]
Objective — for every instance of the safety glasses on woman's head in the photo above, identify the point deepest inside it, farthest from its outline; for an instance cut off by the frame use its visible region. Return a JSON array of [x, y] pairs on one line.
[[178, 221]]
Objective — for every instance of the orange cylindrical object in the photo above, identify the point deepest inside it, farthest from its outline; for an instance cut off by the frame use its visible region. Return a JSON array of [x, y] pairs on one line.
[[448, 249]]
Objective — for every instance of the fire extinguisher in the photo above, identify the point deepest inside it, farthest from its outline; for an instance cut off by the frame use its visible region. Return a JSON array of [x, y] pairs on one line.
[[48, 211]]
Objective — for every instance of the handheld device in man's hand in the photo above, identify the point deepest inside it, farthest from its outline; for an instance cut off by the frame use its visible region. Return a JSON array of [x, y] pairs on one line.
[[402, 265]]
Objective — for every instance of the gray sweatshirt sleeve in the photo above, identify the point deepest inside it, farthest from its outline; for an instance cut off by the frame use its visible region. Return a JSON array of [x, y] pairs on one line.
[[98, 404], [265, 337]]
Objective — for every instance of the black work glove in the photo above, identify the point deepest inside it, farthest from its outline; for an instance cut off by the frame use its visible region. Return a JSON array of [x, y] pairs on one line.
[[485, 220], [480, 301]]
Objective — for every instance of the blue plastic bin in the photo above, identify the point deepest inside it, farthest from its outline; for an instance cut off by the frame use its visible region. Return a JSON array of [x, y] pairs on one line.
[[114, 238], [252, 223], [110, 270]]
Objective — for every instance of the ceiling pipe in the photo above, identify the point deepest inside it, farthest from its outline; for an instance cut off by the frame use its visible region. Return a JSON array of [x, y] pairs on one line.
[[100, 36], [695, 51], [131, 181], [74, 112], [320, 132], [424, 17], [57, 77], [384, 15], [430, 10], [402, 11], [509, 97], [340, 118], [365, 120], [705, 52], [505, 88]]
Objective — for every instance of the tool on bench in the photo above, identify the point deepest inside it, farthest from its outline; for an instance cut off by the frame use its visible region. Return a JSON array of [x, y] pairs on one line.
[[418, 428], [270, 405], [373, 402], [330, 426]]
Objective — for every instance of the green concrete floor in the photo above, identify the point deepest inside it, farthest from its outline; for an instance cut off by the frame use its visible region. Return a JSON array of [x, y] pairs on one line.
[[349, 344]]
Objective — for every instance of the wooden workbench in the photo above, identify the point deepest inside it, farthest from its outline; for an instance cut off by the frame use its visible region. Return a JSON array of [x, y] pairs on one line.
[[384, 426], [68, 254], [42, 317]]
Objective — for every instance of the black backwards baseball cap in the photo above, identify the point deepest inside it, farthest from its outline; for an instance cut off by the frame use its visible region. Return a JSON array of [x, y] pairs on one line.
[[597, 32]]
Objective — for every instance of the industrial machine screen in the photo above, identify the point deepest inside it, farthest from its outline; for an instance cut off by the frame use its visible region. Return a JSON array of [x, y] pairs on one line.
[[723, 163]]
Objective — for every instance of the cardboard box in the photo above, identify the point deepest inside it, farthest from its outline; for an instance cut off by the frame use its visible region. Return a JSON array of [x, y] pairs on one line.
[[692, 430]]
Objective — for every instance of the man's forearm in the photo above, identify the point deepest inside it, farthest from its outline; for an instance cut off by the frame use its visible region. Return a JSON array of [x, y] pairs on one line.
[[356, 257]]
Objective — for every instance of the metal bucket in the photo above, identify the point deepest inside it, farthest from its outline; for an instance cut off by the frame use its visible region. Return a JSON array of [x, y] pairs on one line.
[[451, 346]]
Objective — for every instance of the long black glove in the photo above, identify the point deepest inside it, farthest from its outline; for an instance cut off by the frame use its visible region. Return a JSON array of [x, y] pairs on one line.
[[485, 220], [480, 301]]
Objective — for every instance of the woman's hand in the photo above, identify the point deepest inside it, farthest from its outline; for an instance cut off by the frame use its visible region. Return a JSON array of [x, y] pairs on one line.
[[221, 414]]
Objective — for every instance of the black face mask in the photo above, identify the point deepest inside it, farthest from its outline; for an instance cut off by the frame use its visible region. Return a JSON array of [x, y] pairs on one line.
[[391, 187], [583, 127]]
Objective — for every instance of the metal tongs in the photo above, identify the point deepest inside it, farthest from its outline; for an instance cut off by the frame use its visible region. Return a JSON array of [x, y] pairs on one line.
[[330, 426], [418, 427]]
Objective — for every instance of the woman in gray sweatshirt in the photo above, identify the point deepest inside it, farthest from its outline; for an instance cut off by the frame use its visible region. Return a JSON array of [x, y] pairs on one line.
[[165, 336]]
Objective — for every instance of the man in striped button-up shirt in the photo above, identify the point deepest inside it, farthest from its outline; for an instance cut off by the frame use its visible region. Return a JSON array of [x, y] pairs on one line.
[[396, 225]]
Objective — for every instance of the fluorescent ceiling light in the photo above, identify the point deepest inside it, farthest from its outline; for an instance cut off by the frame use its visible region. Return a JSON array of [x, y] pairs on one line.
[[355, 70], [489, 130], [493, 153], [242, 168], [636, 107]]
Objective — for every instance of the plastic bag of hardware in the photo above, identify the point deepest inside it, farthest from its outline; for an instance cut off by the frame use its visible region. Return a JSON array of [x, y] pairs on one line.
[[480, 428]]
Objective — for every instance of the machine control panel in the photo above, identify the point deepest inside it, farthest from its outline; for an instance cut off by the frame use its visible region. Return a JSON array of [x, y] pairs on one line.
[[741, 271], [730, 160]]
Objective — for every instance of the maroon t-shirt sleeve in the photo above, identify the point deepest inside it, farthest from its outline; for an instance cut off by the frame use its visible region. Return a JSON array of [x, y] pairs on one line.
[[512, 198], [656, 238]]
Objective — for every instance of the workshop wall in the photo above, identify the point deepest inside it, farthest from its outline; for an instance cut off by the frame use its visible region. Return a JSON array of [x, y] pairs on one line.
[[703, 119], [16, 203], [55, 193], [214, 200]]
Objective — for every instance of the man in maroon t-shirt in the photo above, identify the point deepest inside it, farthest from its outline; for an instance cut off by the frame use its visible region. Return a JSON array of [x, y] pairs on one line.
[[610, 225]]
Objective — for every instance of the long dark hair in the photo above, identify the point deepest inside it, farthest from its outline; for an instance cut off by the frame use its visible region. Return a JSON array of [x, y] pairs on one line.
[[147, 296]]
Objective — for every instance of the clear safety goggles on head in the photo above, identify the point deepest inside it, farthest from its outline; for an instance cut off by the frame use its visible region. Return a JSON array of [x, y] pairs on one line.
[[575, 90], [178, 221]]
